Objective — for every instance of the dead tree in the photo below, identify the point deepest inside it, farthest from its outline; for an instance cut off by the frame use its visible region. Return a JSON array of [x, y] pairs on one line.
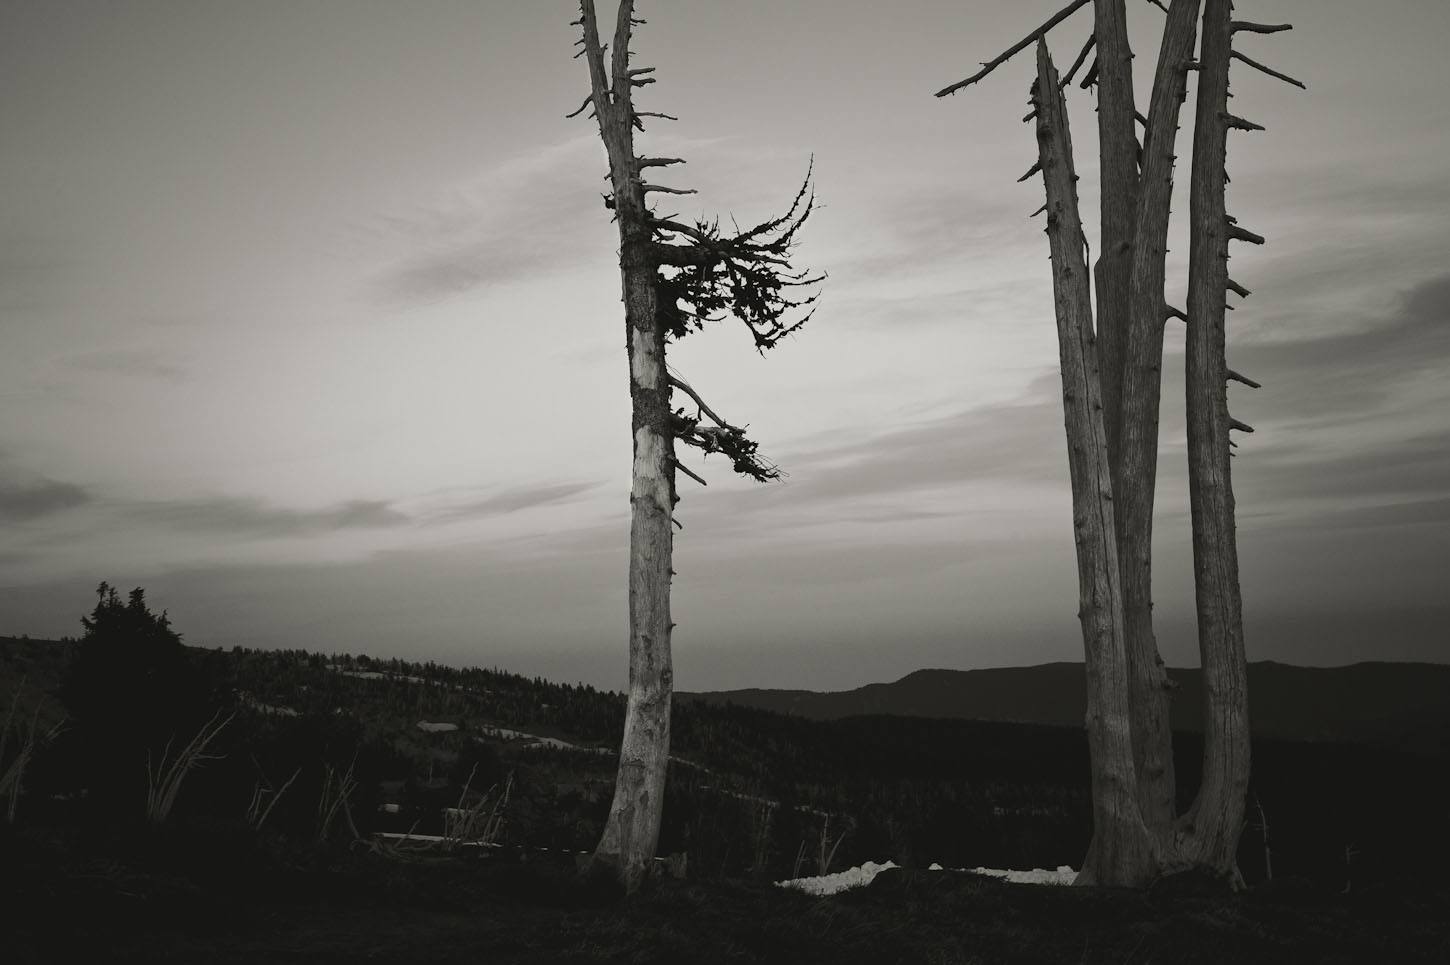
[[676, 277], [1136, 189]]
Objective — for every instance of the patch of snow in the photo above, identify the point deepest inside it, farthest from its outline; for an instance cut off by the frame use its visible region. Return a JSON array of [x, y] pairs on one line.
[[863, 875], [436, 728], [1064, 874], [840, 881], [403, 837], [376, 675], [532, 741]]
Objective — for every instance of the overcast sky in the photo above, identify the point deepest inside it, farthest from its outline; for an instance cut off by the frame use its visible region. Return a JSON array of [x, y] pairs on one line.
[[310, 325]]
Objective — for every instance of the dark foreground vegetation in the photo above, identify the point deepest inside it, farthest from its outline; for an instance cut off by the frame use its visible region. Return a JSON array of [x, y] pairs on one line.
[[221, 897], [272, 843]]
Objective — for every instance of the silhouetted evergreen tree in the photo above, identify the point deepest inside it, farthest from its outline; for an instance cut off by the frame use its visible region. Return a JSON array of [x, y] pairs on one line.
[[130, 688]]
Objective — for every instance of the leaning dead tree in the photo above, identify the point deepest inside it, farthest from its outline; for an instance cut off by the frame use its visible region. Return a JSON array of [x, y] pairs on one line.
[[676, 277], [1111, 397]]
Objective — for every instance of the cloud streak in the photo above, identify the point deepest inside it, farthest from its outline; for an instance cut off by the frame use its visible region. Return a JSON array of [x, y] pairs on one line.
[[253, 518], [24, 501], [512, 500]]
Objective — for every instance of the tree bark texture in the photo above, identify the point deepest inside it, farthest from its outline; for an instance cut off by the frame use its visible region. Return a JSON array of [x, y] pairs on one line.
[[631, 831], [1136, 468], [1210, 831], [1118, 208], [1122, 852]]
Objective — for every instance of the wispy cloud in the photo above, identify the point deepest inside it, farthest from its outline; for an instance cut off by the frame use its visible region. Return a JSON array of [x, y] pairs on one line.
[[22, 500], [540, 214], [511, 500], [254, 518], [506, 225]]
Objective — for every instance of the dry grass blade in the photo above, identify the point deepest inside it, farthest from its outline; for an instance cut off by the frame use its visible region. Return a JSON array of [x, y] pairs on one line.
[[164, 780]]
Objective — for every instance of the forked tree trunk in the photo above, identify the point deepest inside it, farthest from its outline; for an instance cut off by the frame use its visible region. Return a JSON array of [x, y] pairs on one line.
[[1211, 829], [1128, 687], [1135, 478], [631, 831], [1122, 851]]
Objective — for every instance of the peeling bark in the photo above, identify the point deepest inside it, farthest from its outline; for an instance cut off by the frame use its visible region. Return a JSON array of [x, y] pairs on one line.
[[747, 275], [631, 831]]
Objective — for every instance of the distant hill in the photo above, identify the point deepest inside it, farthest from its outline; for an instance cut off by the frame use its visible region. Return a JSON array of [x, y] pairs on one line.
[[1364, 702]]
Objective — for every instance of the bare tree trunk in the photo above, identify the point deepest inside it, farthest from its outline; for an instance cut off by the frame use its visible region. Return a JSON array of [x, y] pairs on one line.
[[631, 832], [1131, 311], [1210, 831], [1122, 852], [748, 275], [1135, 479], [1118, 207]]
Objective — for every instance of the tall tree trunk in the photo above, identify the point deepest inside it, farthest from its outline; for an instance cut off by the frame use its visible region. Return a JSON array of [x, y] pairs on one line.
[[1135, 479], [1210, 831], [631, 831], [1117, 206], [1122, 852]]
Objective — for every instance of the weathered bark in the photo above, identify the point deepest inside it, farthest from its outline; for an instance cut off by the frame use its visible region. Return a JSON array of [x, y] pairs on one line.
[[1123, 851], [631, 831], [1131, 311], [1118, 205], [748, 275], [1136, 466], [1209, 832]]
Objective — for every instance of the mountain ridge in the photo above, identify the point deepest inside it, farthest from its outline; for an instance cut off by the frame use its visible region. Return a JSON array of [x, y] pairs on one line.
[[1369, 701]]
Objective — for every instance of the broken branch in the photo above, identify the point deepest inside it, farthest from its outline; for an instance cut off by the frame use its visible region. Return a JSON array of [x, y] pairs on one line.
[[686, 470], [987, 68], [1258, 28], [1238, 123], [1236, 377], [588, 99], [683, 387], [1236, 233], [1268, 70], [1082, 55], [661, 189]]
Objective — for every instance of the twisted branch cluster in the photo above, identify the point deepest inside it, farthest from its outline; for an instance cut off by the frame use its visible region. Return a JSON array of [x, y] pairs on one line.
[[707, 277]]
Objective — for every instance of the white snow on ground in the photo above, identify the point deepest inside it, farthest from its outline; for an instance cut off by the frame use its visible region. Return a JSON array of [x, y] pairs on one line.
[[840, 881], [856, 877], [532, 741], [1064, 875], [376, 675], [436, 727]]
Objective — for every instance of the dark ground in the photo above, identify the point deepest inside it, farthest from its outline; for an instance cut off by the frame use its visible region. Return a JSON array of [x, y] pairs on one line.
[[229, 898]]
